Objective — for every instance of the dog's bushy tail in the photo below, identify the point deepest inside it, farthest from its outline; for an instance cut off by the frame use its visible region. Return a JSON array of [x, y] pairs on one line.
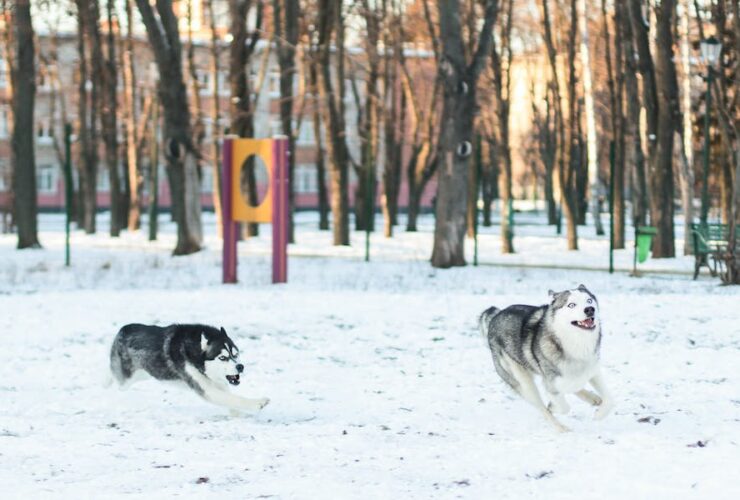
[[484, 321]]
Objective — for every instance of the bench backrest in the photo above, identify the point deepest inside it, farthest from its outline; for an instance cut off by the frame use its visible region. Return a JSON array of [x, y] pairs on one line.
[[705, 233]]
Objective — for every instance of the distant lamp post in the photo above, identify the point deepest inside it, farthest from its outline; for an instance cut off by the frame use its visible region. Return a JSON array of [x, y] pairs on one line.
[[710, 51]]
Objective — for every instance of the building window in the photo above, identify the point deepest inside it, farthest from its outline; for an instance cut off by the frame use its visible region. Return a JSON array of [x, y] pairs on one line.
[[4, 121], [305, 179], [206, 181], [4, 176], [103, 181], [305, 134], [44, 133], [46, 178], [3, 74], [273, 84]]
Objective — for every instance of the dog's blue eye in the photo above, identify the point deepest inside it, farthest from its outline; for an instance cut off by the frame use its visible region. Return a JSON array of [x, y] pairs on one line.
[[590, 301], [572, 305], [223, 358]]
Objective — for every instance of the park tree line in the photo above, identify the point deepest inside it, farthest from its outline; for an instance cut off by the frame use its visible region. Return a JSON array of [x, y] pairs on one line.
[[610, 86]]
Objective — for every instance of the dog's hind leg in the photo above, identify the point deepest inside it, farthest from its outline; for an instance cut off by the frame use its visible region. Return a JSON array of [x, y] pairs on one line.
[[528, 390], [121, 366], [589, 397], [607, 403]]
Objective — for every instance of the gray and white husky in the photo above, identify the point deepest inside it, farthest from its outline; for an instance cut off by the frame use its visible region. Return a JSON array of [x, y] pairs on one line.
[[558, 342], [201, 356]]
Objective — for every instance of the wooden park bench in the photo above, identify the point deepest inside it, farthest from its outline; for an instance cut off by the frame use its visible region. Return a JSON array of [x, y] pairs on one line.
[[710, 242]]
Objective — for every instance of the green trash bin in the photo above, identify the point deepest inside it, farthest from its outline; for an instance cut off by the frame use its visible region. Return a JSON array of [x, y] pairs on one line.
[[643, 241]]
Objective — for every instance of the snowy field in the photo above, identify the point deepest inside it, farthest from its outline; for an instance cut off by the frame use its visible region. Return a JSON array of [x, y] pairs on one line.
[[380, 385]]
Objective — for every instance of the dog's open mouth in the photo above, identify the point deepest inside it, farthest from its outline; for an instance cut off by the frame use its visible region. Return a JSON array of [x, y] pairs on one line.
[[586, 324], [233, 379]]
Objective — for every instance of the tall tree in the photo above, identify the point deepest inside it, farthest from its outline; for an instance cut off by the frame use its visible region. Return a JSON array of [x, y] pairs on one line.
[[588, 97], [216, 132], [87, 130], [286, 14], [459, 76], [566, 133], [501, 65], [24, 93], [423, 160], [368, 120], [242, 106], [129, 113], [660, 99], [330, 20], [616, 114], [162, 32], [633, 153]]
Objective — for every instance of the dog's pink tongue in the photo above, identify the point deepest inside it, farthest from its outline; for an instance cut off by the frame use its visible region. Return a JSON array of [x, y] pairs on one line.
[[589, 322]]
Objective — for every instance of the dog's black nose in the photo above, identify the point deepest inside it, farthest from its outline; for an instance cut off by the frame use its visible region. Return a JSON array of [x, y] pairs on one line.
[[240, 367], [589, 311]]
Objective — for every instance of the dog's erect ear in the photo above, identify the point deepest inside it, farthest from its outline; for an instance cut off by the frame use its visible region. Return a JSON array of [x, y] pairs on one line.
[[582, 288], [551, 293], [223, 331], [203, 341]]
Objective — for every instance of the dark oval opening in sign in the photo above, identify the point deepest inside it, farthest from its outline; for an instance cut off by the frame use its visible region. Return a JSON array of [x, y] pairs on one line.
[[254, 180]]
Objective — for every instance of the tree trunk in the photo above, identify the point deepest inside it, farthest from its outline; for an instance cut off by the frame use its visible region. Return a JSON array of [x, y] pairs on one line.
[[87, 129], [686, 170], [565, 137], [459, 80], [661, 178], [660, 98], [330, 16], [501, 65], [129, 100], [180, 154], [634, 155], [320, 165], [616, 100], [24, 171], [242, 112], [588, 94], [215, 121], [286, 14], [489, 180]]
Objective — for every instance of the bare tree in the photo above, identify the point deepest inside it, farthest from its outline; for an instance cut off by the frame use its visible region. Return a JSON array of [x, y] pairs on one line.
[[501, 65], [129, 113], [242, 49], [330, 19], [566, 136], [660, 99], [633, 154], [616, 114], [87, 131], [24, 163], [180, 154], [423, 160], [588, 95], [459, 76], [285, 14]]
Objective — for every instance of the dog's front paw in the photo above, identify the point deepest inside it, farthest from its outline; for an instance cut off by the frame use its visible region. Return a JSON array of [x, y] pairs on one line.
[[261, 403], [603, 410], [560, 407]]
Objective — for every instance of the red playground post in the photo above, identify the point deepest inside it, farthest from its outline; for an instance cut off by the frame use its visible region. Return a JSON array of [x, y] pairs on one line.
[[273, 209], [279, 185]]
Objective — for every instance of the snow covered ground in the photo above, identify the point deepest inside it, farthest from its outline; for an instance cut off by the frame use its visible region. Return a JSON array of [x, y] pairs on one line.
[[380, 385]]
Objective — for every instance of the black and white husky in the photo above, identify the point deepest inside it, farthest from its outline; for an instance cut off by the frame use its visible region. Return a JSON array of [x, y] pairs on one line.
[[558, 342], [201, 356]]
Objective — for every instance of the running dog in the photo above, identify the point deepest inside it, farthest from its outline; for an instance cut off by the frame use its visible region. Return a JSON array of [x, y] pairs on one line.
[[558, 342], [201, 356]]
